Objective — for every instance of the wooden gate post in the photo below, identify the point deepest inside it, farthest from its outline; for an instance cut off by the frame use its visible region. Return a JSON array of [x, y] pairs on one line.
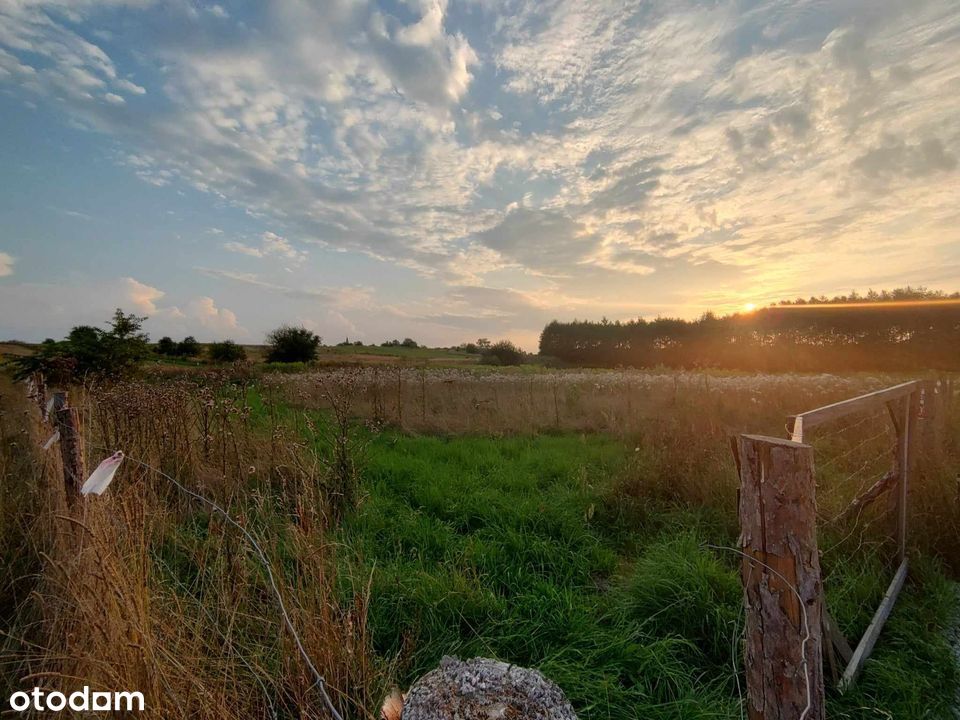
[[67, 421], [781, 579]]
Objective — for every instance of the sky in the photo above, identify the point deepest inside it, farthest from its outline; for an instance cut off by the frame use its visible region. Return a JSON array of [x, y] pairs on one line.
[[448, 170]]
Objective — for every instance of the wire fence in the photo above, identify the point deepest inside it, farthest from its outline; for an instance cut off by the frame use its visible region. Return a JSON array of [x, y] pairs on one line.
[[865, 449]]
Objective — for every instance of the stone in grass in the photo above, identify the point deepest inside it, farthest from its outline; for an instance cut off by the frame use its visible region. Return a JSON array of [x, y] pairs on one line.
[[484, 689]]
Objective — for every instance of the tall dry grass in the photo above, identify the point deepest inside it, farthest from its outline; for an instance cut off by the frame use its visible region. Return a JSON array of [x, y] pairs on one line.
[[144, 589], [622, 402]]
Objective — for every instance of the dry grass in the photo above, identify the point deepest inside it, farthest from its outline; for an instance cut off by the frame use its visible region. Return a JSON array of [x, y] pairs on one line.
[[623, 402], [143, 589]]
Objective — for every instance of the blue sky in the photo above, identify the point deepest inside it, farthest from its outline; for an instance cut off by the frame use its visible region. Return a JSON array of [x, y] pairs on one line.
[[451, 170]]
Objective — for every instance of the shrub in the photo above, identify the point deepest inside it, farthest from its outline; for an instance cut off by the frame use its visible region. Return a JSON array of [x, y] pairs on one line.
[[226, 351], [188, 347], [166, 346], [409, 343], [89, 351], [292, 344], [502, 353]]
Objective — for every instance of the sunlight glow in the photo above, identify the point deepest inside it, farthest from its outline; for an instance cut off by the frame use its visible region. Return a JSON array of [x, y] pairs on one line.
[[749, 307], [883, 304]]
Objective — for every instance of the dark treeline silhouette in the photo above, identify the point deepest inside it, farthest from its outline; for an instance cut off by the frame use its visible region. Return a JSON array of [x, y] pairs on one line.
[[904, 329]]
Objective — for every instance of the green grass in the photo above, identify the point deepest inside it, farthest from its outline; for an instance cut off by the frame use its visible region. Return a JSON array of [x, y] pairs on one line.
[[518, 548]]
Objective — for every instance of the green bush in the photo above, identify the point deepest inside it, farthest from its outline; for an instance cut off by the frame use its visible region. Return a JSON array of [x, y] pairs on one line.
[[166, 346], [188, 347], [89, 352], [226, 351], [292, 344], [502, 353]]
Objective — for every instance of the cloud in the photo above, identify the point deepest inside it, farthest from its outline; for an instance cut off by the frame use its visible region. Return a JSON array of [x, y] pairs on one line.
[[201, 312], [270, 244], [142, 296], [539, 239], [895, 157], [591, 150], [630, 187], [218, 319], [218, 11], [69, 65], [50, 310], [6, 264], [421, 58], [336, 296]]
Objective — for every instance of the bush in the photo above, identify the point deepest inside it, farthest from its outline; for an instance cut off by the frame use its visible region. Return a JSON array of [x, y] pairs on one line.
[[89, 351], [226, 351], [502, 353], [188, 347], [409, 343], [292, 344], [166, 346]]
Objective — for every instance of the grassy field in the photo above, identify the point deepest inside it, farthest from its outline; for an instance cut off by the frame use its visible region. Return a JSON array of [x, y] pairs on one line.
[[14, 349], [327, 355], [560, 520], [533, 550]]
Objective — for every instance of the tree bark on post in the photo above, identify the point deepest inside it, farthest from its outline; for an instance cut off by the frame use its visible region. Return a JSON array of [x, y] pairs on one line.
[[781, 579], [67, 421]]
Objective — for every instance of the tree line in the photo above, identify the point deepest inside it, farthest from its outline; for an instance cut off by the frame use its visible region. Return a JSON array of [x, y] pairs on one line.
[[903, 329], [89, 352]]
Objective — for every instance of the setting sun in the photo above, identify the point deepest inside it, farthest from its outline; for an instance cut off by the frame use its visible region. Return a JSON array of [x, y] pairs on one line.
[[749, 307]]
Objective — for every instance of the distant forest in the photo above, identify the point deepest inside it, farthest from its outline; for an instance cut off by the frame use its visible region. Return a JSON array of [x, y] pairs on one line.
[[904, 329]]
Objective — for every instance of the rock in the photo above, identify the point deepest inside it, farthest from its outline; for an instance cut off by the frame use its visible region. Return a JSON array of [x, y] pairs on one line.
[[484, 689]]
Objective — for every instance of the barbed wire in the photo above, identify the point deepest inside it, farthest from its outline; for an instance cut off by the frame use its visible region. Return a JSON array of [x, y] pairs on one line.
[[837, 458], [319, 681]]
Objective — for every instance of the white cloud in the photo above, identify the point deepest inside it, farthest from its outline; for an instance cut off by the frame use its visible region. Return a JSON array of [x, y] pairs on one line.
[[218, 11], [199, 313], [206, 312], [270, 244], [143, 296], [50, 310], [6, 264]]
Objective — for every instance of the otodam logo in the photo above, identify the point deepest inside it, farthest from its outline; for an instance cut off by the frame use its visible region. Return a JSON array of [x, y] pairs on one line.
[[83, 700]]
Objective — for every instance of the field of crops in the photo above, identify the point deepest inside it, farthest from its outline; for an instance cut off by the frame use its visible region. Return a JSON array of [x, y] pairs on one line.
[[572, 521]]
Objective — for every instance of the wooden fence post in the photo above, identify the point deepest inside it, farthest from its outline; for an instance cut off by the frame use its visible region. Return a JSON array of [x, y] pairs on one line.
[[40, 394], [67, 421], [781, 579], [906, 445]]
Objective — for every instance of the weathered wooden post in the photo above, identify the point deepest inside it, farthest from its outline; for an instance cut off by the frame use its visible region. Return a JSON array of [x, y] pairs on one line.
[[66, 419], [400, 397], [781, 579], [40, 393]]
